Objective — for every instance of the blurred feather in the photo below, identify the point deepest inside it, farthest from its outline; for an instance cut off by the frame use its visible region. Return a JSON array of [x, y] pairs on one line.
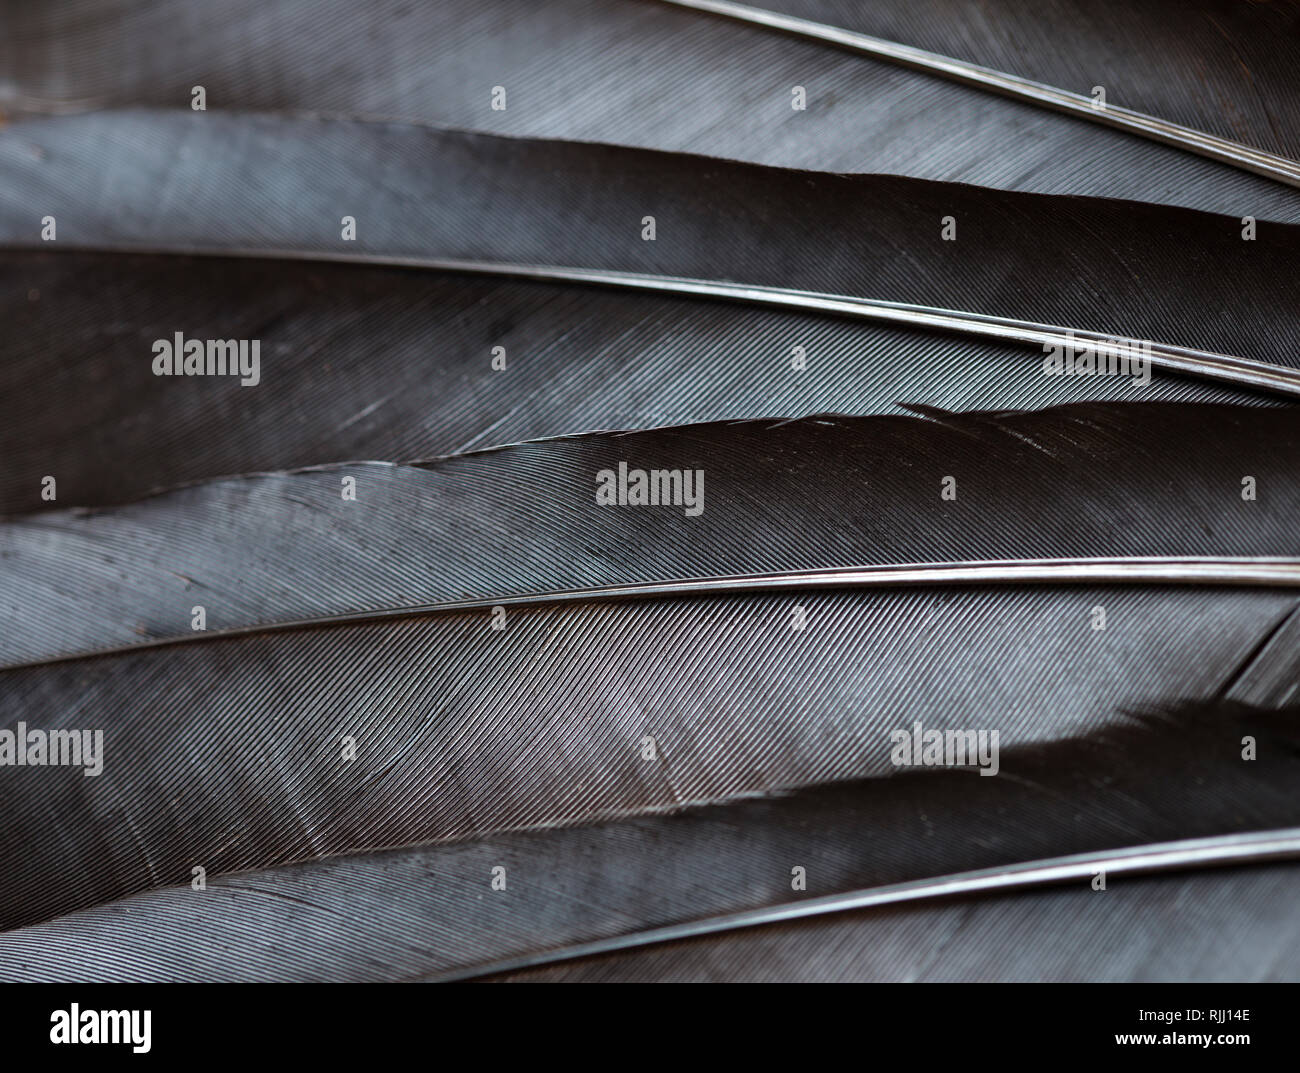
[[1233, 926]]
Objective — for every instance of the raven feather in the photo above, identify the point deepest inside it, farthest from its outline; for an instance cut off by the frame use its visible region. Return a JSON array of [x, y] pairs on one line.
[[1093, 480], [1219, 50], [647, 74], [381, 363], [1164, 776], [472, 661], [1233, 926], [1146, 272], [234, 754]]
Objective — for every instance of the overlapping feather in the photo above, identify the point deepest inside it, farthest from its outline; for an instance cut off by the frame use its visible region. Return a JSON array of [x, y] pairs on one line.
[[651, 74], [1088, 481], [476, 745], [365, 362]]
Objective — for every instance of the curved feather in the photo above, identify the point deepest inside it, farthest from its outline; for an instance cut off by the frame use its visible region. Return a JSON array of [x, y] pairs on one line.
[[233, 754], [381, 363], [1232, 926], [647, 74], [1093, 480], [1235, 51], [416, 911], [1144, 272]]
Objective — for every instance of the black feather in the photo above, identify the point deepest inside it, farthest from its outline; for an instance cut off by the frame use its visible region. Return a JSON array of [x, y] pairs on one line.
[[366, 362], [1147, 272], [1094, 480], [1167, 775], [1232, 926], [651, 75], [231, 754]]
